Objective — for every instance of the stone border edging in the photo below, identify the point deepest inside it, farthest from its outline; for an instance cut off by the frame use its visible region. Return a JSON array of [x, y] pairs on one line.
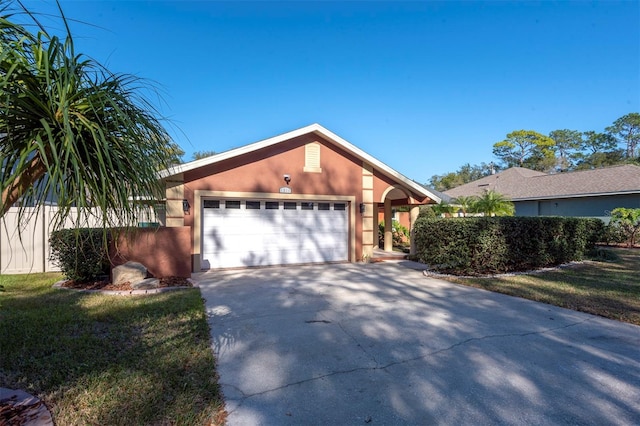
[[58, 286]]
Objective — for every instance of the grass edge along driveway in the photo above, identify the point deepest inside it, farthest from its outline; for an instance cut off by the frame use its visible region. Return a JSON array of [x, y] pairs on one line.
[[608, 289], [101, 359]]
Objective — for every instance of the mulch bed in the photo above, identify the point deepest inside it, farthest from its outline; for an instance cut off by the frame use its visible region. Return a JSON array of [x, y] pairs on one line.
[[107, 285]]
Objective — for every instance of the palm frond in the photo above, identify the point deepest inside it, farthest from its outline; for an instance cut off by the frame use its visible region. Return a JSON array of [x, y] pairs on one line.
[[72, 130]]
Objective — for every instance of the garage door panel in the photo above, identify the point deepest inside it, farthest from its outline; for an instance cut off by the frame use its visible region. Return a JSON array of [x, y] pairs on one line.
[[231, 244], [300, 256], [331, 240], [336, 221], [302, 219], [317, 245], [235, 237], [235, 259], [230, 259]]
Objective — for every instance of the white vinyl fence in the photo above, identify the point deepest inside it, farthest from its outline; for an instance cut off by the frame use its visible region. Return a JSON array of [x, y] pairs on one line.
[[28, 251]]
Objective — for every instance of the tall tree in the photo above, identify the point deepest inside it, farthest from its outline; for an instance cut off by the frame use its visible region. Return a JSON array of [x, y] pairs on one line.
[[525, 146], [567, 145], [174, 153], [541, 160], [598, 150], [562, 150], [198, 155], [626, 130], [72, 130], [446, 181], [465, 174]]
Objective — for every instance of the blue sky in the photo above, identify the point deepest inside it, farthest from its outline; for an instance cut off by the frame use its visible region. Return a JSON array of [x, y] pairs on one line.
[[423, 86]]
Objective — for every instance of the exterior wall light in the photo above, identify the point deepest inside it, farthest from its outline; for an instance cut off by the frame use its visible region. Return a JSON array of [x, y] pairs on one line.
[[287, 179], [186, 206], [363, 208]]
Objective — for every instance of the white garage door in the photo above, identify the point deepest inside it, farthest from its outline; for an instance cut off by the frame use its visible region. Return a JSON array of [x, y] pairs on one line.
[[258, 232]]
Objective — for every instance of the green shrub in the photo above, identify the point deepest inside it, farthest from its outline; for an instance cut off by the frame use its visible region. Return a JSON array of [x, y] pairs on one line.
[[613, 234], [605, 255], [399, 233], [427, 212], [501, 244], [81, 254], [595, 231], [628, 221]]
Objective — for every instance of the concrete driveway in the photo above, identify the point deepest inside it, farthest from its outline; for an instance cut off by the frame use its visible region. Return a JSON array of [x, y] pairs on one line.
[[358, 344]]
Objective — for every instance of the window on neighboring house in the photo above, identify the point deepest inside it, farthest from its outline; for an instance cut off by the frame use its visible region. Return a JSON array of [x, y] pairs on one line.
[[312, 158]]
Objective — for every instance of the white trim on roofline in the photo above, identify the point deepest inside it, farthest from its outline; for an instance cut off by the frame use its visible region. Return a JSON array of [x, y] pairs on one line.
[[590, 194], [313, 128]]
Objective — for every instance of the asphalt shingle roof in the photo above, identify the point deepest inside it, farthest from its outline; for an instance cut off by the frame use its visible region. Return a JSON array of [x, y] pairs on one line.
[[519, 183]]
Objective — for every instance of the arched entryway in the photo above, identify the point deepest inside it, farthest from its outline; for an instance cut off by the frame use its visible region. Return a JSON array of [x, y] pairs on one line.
[[394, 197]]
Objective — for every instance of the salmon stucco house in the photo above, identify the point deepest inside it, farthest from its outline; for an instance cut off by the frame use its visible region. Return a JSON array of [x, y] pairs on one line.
[[305, 196]]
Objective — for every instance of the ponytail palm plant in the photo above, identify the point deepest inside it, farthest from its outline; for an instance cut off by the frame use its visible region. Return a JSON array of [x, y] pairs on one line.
[[73, 132]]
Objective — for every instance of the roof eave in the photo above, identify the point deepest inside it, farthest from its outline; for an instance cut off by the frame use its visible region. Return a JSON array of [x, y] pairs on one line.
[[313, 128], [377, 164], [590, 194], [192, 165]]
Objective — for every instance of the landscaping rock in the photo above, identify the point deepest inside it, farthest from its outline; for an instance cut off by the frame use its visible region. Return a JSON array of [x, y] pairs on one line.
[[20, 408], [132, 272], [148, 284]]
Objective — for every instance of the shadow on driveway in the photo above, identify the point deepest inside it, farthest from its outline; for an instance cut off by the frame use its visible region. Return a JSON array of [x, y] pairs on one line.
[[383, 344]]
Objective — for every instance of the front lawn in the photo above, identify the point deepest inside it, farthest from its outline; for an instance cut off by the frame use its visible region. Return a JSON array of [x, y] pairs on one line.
[[609, 289], [98, 359]]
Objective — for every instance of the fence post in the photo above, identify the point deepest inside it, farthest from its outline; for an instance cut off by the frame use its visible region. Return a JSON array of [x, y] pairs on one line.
[[45, 238]]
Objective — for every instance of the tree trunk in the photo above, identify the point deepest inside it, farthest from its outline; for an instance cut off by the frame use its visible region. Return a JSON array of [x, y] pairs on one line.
[[12, 193]]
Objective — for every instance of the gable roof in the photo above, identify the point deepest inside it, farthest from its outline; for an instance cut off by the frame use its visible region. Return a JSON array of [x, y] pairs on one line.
[[522, 184], [318, 130]]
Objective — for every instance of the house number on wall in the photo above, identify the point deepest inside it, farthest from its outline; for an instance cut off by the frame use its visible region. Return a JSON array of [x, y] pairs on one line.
[[285, 190]]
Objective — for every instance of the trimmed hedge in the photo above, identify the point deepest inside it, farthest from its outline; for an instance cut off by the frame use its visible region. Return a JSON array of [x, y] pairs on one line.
[[81, 254], [484, 245]]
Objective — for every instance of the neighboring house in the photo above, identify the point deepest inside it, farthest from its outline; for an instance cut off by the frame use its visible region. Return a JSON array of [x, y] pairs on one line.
[[586, 193], [302, 197]]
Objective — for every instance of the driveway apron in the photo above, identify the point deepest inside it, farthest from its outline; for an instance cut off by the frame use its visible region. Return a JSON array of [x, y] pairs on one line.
[[354, 344]]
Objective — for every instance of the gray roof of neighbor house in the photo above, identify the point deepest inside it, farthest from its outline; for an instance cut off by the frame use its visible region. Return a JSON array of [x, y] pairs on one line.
[[521, 184], [443, 197]]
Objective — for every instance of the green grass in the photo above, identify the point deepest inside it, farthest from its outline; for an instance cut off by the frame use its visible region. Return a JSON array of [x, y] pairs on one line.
[[609, 289], [98, 359]]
